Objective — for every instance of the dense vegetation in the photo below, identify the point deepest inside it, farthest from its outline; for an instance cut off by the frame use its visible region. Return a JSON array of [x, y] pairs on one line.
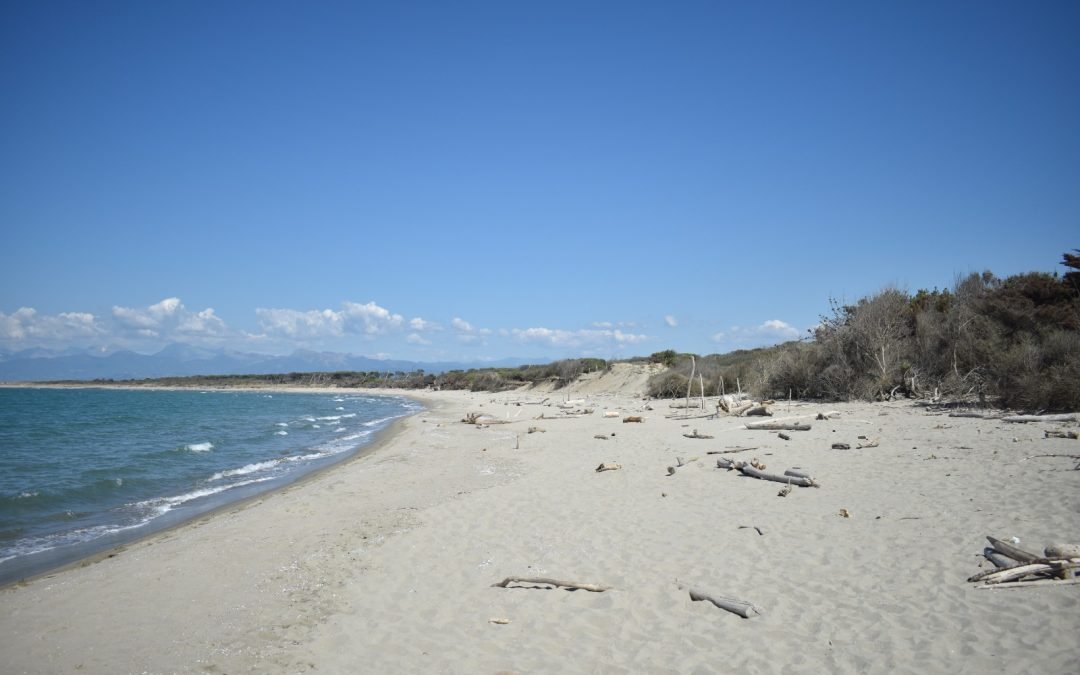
[[1013, 342], [559, 373]]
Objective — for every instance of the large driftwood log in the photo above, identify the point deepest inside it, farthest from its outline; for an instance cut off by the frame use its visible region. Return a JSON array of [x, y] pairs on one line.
[[749, 470], [1021, 419], [1027, 569], [572, 585], [740, 607], [758, 411], [741, 408], [777, 426], [1062, 551], [1013, 552], [798, 473], [1034, 584]]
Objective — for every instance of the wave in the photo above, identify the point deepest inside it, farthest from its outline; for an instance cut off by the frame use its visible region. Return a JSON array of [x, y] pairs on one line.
[[246, 469], [199, 447], [163, 505]]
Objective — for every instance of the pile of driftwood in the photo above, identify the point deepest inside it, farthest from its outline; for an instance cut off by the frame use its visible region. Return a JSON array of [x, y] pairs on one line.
[[1058, 565]]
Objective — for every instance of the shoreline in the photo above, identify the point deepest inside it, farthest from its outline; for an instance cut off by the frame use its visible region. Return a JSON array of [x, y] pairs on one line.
[[387, 563], [103, 550]]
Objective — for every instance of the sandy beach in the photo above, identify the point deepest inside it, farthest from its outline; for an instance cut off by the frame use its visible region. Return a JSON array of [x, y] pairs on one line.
[[386, 563]]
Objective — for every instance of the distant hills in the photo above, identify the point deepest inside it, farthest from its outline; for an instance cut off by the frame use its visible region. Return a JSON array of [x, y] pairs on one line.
[[177, 360]]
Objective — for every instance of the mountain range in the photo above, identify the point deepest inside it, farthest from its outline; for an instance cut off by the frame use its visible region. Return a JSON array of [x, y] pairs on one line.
[[177, 360]]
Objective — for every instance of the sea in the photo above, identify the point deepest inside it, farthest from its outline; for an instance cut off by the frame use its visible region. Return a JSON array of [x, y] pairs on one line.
[[85, 469]]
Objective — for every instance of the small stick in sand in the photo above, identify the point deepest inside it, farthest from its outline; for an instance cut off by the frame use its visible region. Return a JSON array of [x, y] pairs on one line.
[[569, 585], [608, 467]]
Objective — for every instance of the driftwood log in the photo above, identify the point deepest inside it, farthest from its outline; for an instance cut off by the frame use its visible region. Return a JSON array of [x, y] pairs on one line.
[[758, 411], [608, 466], [1005, 548], [571, 585], [740, 607], [748, 470], [697, 435], [777, 426], [1056, 567], [798, 473], [1061, 434], [1021, 419]]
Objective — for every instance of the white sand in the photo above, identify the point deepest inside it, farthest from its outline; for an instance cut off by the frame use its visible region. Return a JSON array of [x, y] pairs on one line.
[[385, 564]]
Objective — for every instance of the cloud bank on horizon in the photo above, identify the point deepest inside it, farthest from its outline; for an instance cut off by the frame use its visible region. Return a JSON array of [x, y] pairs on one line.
[[363, 329]]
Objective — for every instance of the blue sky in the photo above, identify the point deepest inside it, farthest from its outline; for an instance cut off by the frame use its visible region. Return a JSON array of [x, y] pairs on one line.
[[477, 180]]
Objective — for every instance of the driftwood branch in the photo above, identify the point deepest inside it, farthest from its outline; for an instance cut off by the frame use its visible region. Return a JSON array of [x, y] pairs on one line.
[[571, 585], [778, 426], [1061, 434], [748, 470], [729, 452], [1021, 419], [697, 435], [740, 607], [1032, 584]]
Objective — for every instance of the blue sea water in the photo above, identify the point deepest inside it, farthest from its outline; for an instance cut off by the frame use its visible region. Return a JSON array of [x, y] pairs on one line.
[[82, 470]]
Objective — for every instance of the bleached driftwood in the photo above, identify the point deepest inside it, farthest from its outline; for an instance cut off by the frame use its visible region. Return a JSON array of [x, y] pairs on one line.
[[572, 585], [798, 473], [729, 452], [1061, 434], [778, 426], [1027, 569], [608, 466], [1013, 552], [870, 443], [1062, 551], [740, 607], [828, 415], [1074, 457], [749, 470], [1034, 584], [976, 415], [758, 411], [697, 435], [1021, 419], [739, 409]]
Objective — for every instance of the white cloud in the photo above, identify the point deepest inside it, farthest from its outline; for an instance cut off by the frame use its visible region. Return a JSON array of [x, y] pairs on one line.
[[202, 323], [294, 324], [369, 318], [466, 331], [168, 320], [556, 337], [166, 308], [423, 324], [25, 325], [768, 333], [364, 319], [416, 339], [671, 321]]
